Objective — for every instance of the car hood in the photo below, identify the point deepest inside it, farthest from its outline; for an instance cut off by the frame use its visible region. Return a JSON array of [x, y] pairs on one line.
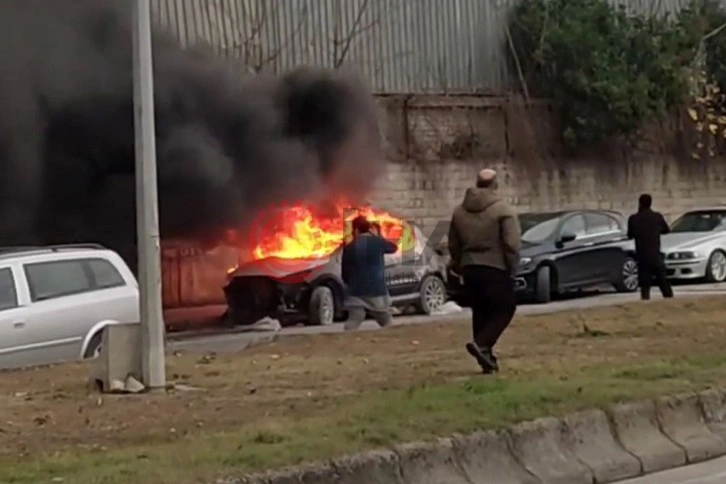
[[277, 268], [687, 240]]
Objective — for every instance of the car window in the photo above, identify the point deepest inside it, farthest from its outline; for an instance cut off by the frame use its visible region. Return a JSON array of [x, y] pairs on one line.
[[105, 275], [535, 231], [48, 280], [599, 223], [8, 293], [574, 225], [700, 221]]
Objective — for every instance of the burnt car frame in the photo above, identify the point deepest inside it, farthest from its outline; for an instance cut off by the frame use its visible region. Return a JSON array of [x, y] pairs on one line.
[[311, 291], [567, 251]]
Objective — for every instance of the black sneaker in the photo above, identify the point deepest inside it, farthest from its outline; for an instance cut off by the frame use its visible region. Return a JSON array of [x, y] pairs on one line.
[[485, 359]]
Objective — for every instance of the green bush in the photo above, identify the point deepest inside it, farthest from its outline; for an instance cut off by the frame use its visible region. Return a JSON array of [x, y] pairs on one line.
[[609, 71], [713, 17]]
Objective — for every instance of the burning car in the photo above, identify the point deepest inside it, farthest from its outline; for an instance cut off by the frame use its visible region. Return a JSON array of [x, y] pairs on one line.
[[295, 271]]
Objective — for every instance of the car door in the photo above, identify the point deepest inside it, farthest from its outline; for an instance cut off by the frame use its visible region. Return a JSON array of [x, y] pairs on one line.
[[401, 266], [570, 258], [606, 258], [13, 332], [56, 316]]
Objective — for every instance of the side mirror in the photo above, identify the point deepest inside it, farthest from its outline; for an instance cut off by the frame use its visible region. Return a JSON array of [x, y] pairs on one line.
[[566, 237]]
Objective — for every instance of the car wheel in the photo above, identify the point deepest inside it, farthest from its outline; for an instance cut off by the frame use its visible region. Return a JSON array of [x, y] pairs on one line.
[[433, 295], [543, 285], [94, 346], [628, 281], [322, 306], [716, 268]]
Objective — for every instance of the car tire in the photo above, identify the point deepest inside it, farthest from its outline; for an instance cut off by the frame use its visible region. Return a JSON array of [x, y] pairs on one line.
[[94, 346], [716, 267], [543, 285], [321, 311], [432, 295], [628, 277]]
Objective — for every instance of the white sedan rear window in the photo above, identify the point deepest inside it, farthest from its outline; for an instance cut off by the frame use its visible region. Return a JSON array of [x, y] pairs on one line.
[[8, 293]]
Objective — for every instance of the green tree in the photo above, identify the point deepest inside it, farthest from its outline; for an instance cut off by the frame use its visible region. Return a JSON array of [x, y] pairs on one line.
[[609, 71]]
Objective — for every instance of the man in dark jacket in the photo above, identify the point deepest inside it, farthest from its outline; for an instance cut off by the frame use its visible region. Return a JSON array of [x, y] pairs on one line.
[[484, 242], [646, 227], [363, 271]]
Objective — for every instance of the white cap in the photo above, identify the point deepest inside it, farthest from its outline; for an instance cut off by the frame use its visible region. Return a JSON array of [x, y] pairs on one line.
[[487, 175]]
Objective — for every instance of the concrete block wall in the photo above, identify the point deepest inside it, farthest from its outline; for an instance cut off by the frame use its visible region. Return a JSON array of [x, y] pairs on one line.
[[436, 145]]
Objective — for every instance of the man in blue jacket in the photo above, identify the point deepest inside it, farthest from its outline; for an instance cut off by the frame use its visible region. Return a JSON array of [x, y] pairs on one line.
[[363, 271]]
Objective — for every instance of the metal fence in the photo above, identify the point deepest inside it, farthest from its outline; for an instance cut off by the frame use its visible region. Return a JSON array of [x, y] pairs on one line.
[[399, 46]]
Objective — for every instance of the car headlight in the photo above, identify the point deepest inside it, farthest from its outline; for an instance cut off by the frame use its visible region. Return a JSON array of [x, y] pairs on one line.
[[525, 261], [683, 255]]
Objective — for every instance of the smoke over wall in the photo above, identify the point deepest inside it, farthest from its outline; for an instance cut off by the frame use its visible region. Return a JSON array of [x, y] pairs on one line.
[[227, 146]]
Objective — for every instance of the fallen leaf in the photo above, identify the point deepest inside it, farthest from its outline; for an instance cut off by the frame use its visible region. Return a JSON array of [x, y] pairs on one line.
[[693, 114]]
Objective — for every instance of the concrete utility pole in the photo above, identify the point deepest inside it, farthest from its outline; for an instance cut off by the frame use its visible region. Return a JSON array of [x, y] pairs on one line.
[[147, 203]]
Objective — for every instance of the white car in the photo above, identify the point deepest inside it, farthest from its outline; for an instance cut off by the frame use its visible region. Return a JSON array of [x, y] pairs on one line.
[[56, 300], [696, 246]]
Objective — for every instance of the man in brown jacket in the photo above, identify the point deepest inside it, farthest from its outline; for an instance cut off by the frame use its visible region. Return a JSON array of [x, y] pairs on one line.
[[484, 241]]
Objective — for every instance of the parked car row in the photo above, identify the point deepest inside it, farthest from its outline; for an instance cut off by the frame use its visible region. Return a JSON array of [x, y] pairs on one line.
[[581, 249], [55, 301], [561, 251]]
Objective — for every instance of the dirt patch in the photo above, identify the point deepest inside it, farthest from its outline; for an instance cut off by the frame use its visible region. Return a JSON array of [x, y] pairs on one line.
[[51, 410]]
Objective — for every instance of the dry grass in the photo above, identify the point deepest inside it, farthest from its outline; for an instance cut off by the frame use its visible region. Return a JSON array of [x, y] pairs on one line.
[[312, 396]]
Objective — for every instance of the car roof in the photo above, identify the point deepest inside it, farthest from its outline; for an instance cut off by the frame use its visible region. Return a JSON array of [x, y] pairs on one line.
[[561, 213], [717, 208], [25, 252]]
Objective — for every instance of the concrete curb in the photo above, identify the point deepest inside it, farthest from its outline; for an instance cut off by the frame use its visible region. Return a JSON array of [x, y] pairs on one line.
[[487, 457], [594, 446], [636, 425], [543, 448], [682, 420]]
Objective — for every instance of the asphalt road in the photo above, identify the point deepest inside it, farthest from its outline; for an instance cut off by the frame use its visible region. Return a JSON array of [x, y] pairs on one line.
[[238, 340], [710, 472]]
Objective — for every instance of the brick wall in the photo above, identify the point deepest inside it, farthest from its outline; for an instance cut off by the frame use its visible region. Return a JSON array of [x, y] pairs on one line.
[[437, 144]]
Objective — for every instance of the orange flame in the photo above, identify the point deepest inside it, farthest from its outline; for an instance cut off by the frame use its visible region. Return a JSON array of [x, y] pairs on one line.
[[306, 231]]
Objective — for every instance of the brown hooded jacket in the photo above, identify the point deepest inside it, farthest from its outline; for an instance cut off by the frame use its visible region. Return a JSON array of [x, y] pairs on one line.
[[484, 231]]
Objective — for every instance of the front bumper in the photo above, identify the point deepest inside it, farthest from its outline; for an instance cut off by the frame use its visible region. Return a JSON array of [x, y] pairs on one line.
[[455, 287], [254, 298], [686, 269], [524, 284]]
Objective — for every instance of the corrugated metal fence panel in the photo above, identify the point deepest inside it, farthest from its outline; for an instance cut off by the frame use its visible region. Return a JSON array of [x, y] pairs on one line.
[[398, 46]]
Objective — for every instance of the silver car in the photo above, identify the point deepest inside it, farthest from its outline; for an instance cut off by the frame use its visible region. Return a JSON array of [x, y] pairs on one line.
[[696, 246], [55, 302]]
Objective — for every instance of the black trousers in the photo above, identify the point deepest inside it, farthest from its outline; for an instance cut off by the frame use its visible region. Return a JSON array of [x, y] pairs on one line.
[[653, 270], [490, 293]]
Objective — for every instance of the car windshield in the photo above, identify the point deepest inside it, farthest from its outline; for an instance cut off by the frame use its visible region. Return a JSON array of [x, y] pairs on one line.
[[701, 221], [537, 227]]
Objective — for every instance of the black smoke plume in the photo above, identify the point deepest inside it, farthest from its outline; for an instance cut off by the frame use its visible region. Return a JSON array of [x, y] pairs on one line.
[[228, 145]]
